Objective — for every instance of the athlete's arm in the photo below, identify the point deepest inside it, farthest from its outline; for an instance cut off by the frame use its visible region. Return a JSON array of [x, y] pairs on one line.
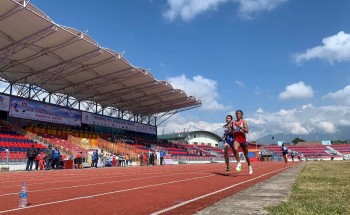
[[245, 128]]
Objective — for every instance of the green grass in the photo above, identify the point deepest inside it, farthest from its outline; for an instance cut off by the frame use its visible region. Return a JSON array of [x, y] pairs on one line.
[[323, 187]]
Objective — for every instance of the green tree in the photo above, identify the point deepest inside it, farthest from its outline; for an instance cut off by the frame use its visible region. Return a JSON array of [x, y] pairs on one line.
[[297, 140]]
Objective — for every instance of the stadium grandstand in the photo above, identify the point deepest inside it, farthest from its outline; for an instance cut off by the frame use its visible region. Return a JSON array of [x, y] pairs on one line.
[[202, 143], [59, 87], [308, 151]]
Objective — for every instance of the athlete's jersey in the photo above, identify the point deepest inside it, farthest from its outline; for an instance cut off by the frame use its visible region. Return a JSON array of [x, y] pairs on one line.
[[228, 136], [284, 148], [238, 133]]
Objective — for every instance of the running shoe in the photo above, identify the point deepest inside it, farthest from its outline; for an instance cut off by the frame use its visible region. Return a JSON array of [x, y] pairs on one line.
[[227, 168], [238, 167], [250, 170]]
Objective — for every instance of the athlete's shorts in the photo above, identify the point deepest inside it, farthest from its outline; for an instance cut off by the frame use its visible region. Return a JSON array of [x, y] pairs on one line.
[[284, 152], [245, 144], [230, 143], [229, 139]]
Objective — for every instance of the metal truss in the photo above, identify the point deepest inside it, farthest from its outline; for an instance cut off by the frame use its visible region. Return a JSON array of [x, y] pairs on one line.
[[15, 9], [60, 67], [36, 93], [8, 51]]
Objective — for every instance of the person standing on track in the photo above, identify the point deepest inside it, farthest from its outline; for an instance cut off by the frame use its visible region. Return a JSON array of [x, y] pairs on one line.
[[240, 129], [56, 158], [292, 154], [285, 152], [228, 138]]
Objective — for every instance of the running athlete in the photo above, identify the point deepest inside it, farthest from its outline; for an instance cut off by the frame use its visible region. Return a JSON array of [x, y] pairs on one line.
[[228, 137], [284, 152], [240, 129]]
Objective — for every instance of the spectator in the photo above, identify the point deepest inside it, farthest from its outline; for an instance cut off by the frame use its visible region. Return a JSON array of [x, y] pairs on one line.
[[78, 161], [30, 158], [94, 158], [151, 158], [42, 160], [36, 159], [292, 156], [161, 155], [141, 159], [102, 159], [114, 160], [48, 158], [7, 152], [56, 158], [127, 158]]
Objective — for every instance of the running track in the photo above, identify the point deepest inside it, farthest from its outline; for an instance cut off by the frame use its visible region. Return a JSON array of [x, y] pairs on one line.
[[168, 189]]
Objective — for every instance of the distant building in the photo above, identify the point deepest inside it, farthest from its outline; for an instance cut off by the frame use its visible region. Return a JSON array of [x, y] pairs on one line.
[[193, 137]]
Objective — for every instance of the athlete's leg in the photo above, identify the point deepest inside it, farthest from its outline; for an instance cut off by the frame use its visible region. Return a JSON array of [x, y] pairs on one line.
[[227, 159], [245, 152], [235, 152], [246, 155], [285, 159]]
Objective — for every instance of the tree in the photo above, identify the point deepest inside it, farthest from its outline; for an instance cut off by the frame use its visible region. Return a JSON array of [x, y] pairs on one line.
[[297, 140]]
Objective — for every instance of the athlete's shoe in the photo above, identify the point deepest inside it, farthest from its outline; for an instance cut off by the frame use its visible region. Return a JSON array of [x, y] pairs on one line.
[[238, 167], [227, 168], [250, 170]]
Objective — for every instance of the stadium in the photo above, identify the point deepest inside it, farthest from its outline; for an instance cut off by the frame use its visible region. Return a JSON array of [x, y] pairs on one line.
[[78, 126]]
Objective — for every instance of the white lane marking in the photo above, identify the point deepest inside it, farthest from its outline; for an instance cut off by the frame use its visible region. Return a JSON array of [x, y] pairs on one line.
[[100, 183], [209, 194], [103, 194]]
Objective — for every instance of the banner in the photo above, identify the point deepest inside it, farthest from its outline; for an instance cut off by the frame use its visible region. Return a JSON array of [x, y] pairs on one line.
[[93, 119], [4, 103], [42, 112], [326, 142]]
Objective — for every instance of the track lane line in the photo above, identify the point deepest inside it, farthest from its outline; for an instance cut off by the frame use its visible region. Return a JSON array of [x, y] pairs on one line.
[[103, 194], [210, 194]]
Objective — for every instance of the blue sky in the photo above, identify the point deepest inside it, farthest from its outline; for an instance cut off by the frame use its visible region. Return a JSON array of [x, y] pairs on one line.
[[285, 63]]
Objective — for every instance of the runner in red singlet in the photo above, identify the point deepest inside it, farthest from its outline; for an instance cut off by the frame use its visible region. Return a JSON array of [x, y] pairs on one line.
[[240, 129]]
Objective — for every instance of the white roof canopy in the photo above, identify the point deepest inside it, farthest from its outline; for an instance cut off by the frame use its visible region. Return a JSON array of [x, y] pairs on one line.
[[34, 50]]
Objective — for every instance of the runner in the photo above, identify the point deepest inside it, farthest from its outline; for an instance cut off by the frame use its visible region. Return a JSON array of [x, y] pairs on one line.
[[285, 152], [228, 138], [240, 129]]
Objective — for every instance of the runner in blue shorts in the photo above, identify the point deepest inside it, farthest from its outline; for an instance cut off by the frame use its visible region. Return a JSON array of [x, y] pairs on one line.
[[229, 139], [285, 152]]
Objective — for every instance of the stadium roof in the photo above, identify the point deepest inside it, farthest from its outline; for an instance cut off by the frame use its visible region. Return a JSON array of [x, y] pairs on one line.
[[35, 50]]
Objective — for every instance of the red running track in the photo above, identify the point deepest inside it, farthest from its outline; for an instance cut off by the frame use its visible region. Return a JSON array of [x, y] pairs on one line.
[[168, 189]]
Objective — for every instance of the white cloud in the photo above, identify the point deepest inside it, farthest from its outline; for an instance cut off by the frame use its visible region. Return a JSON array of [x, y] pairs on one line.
[[249, 8], [296, 91], [306, 119], [342, 96], [296, 128], [189, 9], [202, 88], [260, 110], [239, 83], [327, 127], [345, 122], [307, 106], [335, 48]]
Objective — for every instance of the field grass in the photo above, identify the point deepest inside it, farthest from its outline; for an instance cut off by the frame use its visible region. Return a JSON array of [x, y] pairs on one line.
[[323, 187]]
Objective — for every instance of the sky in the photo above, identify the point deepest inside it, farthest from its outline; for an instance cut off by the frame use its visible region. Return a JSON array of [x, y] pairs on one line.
[[285, 63]]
